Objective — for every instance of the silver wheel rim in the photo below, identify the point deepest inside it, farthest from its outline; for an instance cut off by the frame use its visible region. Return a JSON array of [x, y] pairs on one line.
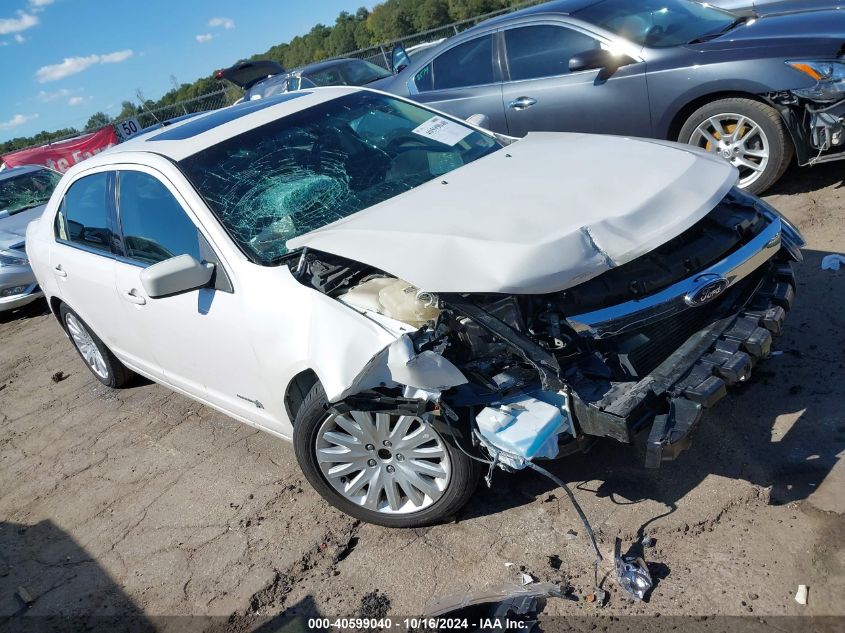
[[86, 346], [737, 139], [385, 463]]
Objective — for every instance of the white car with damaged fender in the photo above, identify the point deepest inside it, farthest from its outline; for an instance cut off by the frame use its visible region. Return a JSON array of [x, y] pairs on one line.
[[410, 298]]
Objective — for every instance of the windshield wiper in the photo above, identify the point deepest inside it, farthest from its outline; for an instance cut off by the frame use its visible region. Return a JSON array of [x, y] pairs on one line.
[[712, 36]]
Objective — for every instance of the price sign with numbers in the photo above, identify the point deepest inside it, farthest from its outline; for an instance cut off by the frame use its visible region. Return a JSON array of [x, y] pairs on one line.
[[128, 128]]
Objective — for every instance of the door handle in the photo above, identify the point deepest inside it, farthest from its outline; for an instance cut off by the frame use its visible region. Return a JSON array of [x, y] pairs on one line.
[[132, 297], [520, 103], [60, 272]]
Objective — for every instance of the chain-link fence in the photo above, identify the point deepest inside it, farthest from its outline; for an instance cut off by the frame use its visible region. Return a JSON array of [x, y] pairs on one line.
[[378, 54], [418, 42], [203, 103]]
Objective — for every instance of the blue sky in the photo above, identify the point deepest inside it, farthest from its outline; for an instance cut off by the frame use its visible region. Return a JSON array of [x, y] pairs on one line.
[[63, 60]]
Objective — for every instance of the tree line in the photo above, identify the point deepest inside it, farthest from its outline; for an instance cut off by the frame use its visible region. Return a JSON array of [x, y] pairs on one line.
[[389, 20]]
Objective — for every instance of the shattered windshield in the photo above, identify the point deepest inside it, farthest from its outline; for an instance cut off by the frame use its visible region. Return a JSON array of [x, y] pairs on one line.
[[19, 193], [304, 171]]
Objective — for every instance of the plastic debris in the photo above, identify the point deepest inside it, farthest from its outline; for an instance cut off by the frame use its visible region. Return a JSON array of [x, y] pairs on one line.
[[648, 541], [504, 606], [832, 261], [801, 594], [25, 597], [526, 579], [631, 572]]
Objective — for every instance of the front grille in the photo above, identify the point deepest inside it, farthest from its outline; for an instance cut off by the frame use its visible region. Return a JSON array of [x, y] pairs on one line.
[[640, 351], [731, 224]]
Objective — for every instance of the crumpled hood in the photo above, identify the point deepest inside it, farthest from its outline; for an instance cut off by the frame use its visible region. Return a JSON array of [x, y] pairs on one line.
[[543, 214], [13, 228]]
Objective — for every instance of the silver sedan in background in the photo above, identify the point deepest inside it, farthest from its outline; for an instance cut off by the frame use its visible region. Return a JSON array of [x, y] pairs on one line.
[[23, 193]]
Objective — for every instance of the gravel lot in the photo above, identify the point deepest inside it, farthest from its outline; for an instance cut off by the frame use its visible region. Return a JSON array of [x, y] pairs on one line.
[[143, 502]]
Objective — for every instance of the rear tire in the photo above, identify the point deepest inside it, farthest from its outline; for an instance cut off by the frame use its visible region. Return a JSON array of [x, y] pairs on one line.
[[97, 357], [747, 133], [316, 435]]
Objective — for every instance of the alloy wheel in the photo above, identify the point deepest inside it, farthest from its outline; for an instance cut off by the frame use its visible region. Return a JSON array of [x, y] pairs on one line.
[[87, 347], [385, 463], [737, 139]]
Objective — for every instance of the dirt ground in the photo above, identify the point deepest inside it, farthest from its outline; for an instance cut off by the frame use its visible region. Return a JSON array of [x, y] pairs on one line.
[[143, 503]]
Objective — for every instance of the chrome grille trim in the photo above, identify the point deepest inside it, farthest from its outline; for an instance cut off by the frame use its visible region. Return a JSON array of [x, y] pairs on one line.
[[637, 313]]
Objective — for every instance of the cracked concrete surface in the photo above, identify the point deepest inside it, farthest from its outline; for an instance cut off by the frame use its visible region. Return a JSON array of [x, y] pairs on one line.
[[140, 501]]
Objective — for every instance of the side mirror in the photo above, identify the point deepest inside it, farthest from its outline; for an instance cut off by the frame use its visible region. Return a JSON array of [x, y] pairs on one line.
[[599, 58], [479, 120], [399, 59], [176, 275]]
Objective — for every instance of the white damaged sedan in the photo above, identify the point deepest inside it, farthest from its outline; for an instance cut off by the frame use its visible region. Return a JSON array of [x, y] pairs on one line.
[[412, 299]]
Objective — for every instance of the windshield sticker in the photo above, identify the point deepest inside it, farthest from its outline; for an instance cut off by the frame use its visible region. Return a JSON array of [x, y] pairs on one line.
[[442, 130]]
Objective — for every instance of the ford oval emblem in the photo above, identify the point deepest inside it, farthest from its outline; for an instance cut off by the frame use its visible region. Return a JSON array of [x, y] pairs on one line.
[[709, 288]]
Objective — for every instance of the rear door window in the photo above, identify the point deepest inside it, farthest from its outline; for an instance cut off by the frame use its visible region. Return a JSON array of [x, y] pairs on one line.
[[464, 65], [544, 50], [155, 227], [84, 216]]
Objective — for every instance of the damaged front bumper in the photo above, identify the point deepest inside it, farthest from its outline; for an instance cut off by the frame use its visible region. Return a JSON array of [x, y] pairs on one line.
[[694, 378], [817, 128]]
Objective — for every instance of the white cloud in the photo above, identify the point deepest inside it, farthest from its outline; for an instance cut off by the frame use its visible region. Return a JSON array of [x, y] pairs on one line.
[[23, 22], [20, 39], [204, 37], [52, 96], [226, 23], [73, 65], [116, 57], [40, 3], [74, 101], [18, 119]]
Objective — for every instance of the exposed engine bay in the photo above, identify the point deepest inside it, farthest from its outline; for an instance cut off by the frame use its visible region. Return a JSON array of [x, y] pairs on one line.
[[554, 364], [816, 123]]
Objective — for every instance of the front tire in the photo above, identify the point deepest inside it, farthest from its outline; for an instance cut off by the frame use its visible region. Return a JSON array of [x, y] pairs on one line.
[[98, 358], [747, 133], [394, 471]]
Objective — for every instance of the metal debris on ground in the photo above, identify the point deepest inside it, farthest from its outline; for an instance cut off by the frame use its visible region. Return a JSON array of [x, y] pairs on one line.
[[802, 594], [631, 572], [648, 541], [58, 376]]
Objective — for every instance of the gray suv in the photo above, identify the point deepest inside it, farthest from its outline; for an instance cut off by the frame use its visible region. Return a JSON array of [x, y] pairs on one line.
[[755, 90]]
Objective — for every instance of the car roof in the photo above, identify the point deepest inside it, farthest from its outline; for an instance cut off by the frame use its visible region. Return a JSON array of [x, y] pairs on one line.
[[185, 138], [343, 61], [562, 7], [11, 172]]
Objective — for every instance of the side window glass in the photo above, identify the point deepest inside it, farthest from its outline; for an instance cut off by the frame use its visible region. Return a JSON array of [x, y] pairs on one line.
[[544, 50], [467, 64], [84, 214], [154, 224]]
